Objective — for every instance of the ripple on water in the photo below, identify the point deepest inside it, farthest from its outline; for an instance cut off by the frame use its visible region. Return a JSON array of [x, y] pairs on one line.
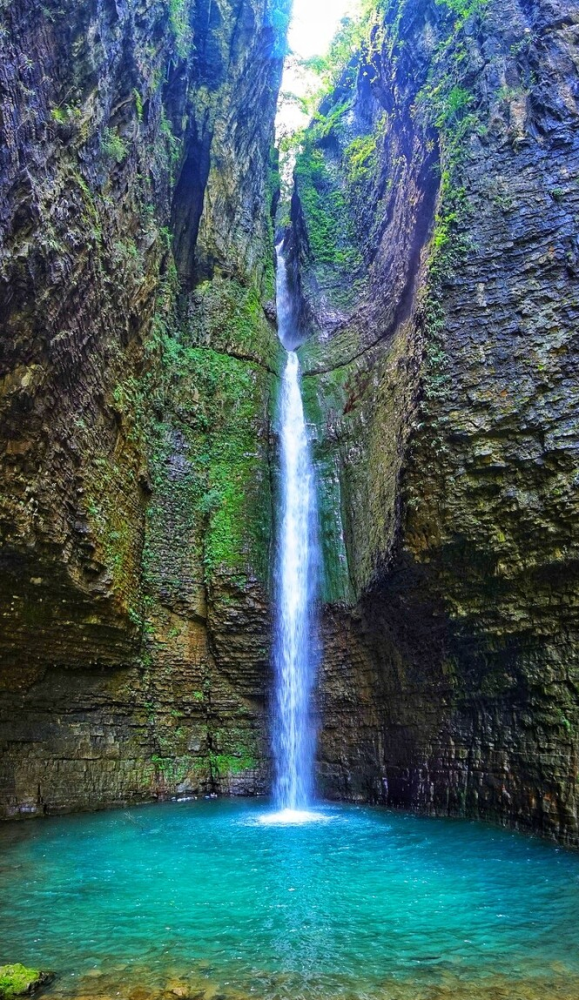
[[222, 899]]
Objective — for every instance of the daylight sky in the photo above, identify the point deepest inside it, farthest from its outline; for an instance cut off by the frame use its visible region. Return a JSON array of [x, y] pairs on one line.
[[313, 24]]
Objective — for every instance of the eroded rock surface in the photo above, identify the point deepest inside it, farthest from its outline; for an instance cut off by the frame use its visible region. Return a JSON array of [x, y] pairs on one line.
[[435, 246], [441, 379], [137, 366]]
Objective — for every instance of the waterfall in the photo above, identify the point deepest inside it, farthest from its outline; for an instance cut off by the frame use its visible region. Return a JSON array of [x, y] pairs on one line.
[[296, 572]]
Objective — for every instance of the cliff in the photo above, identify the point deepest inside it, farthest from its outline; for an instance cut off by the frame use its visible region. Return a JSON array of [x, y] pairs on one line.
[[434, 240], [137, 365]]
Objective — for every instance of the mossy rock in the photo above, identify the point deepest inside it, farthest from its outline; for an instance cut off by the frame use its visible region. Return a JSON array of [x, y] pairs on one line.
[[17, 980]]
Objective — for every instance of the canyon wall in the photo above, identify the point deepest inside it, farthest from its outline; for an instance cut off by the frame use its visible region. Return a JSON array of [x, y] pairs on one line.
[[138, 360], [435, 244]]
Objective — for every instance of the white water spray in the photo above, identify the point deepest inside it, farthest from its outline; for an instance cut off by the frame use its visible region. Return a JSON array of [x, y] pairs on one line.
[[294, 730]]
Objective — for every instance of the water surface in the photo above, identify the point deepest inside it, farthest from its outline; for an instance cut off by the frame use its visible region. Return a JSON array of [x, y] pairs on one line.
[[203, 899]]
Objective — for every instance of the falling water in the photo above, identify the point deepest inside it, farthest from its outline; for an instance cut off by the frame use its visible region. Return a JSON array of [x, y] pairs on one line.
[[294, 735]]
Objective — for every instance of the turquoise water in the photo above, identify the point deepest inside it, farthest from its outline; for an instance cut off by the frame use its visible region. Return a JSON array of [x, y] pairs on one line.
[[365, 903]]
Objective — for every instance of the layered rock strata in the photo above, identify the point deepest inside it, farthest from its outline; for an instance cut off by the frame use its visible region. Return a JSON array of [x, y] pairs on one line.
[[436, 246], [137, 366]]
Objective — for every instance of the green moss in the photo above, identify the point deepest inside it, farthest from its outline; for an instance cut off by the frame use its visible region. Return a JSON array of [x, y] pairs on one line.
[[114, 146], [335, 172], [217, 499], [330, 224], [179, 20], [230, 318], [361, 157], [223, 765], [325, 210], [206, 416], [16, 980], [173, 770]]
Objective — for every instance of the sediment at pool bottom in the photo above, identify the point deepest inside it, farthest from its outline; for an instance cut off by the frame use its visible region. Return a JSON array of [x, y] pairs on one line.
[[430, 982]]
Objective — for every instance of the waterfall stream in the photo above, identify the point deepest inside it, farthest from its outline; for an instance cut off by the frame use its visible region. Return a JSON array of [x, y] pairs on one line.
[[296, 571]]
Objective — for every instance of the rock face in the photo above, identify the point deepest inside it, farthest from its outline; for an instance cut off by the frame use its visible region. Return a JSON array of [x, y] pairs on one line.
[[136, 370], [436, 247]]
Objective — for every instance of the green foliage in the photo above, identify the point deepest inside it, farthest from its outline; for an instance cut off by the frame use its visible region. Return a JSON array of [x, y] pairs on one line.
[[279, 18], [66, 114], [166, 237], [450, 106], [324, 125], [172, 145], [114, 146], [463, 8], [436, 379], [361, 155], [339, 66], [329, 227], [348, 47], [78, 123], [138, 104], [179, 13]]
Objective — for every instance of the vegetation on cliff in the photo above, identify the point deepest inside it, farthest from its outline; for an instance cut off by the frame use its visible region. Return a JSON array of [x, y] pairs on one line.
[[433, 246], [139, 362], [440, 396]]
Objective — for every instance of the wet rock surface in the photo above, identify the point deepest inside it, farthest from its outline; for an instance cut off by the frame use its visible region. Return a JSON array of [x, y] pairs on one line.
[[443, 396], [136, 367]]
